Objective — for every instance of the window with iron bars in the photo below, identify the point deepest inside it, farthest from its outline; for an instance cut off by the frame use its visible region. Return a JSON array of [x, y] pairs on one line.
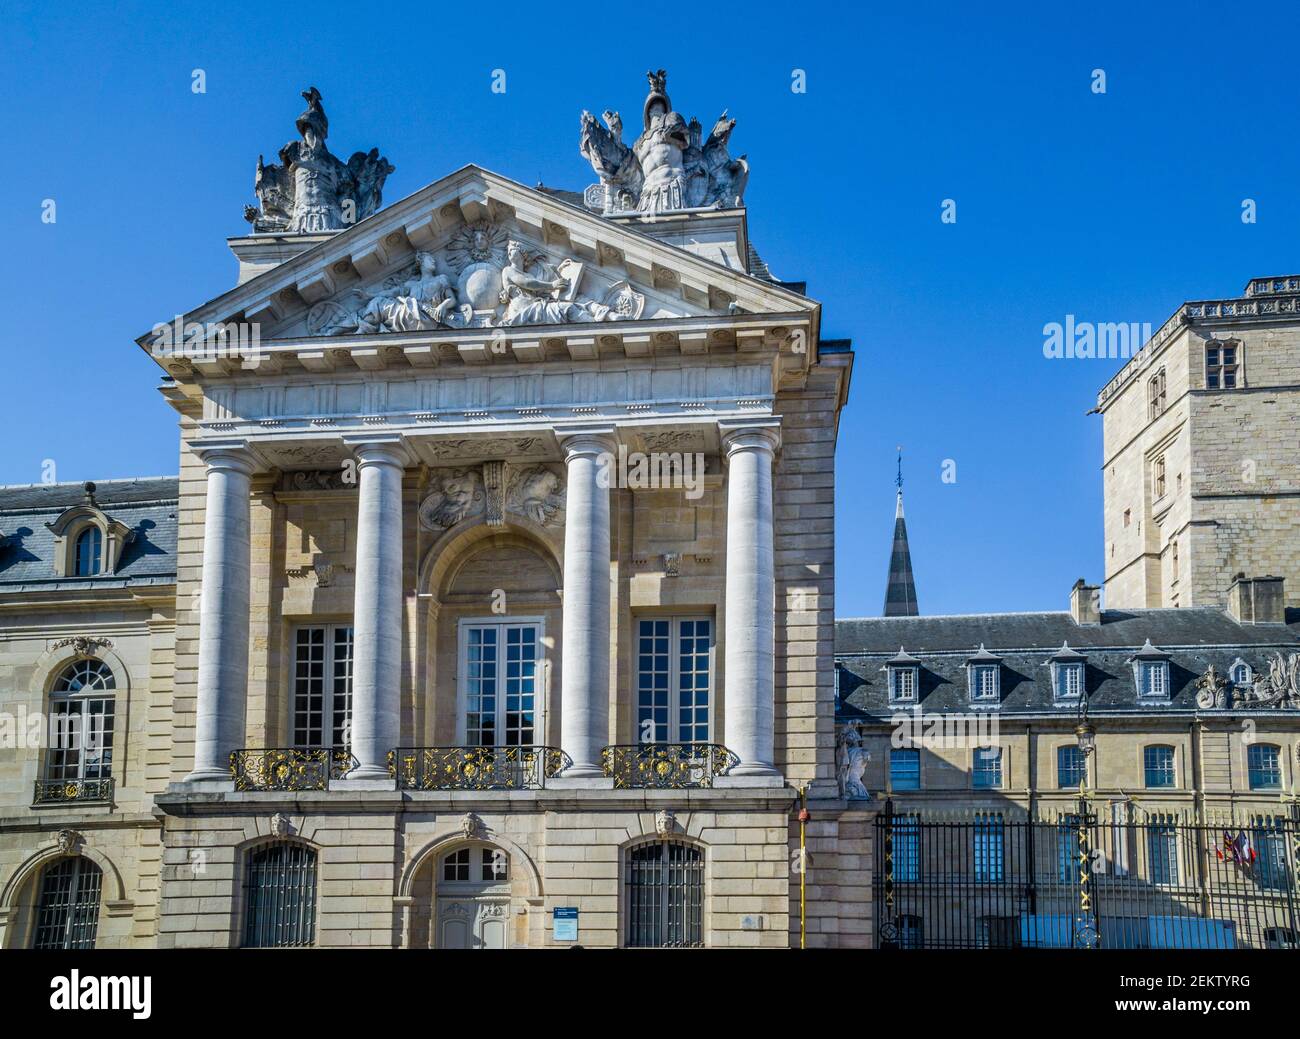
[[664, 896], [67, 908], [280, 896]]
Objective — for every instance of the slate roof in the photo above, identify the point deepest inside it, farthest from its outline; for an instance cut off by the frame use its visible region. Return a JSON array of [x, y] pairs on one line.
[[147, 505], [1194, 638]]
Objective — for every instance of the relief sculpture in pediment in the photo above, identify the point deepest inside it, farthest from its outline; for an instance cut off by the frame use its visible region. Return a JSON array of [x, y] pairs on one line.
[[482, 279]]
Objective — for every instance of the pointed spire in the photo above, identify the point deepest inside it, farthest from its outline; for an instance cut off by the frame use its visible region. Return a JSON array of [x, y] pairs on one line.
[[900, 591]]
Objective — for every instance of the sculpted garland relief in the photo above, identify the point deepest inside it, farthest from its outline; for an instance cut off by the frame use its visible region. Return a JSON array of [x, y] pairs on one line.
[[492, 490], [483, 279]]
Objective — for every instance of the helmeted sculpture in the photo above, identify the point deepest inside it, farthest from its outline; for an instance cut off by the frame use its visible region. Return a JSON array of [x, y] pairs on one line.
[[667, 167], [313, 190]]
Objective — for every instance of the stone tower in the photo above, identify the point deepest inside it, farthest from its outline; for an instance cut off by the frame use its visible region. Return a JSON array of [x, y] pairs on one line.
[[1201, 469]]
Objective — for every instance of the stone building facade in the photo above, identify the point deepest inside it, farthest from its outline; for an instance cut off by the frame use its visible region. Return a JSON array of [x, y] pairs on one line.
[[499, 604], [1201, 463]]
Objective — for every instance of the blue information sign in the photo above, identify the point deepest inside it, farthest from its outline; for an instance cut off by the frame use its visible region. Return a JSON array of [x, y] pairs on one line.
[[565, 923]]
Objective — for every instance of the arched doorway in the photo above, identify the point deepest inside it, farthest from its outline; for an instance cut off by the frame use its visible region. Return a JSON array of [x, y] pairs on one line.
[[472, 898]]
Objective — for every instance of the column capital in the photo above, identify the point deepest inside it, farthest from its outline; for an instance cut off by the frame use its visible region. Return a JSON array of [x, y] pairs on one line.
[[379, 448], [232, 455], [579, 439], [756, 434]]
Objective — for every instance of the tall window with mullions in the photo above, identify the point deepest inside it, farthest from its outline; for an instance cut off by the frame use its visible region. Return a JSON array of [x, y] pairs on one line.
[[664, 903], [67, 908], [674, 679], [322, 691], [81, 722], [280, 896]]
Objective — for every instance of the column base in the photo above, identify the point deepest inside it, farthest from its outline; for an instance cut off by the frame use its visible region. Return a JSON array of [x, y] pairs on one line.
[[751, 780], [568, 781], [365, 779], [220, 783]]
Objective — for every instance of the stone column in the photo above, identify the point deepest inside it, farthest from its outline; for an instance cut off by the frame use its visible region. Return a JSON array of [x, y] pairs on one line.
[[377, 611], [584, 676], [749, 682], [223, 610]]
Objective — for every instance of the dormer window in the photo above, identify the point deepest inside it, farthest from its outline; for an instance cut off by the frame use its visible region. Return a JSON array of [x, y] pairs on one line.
[[87, 541], [1067, 674], [984, 676], [903, 673], [1241, 673], [1151, 673]]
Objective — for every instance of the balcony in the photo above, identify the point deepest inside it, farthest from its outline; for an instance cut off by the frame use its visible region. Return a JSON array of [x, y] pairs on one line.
[[69, 791], [667, 766], [289, 768], [475, 768]]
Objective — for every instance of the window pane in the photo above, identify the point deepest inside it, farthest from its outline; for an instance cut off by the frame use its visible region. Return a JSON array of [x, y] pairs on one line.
[[905, 769], [1158, 765], [1264, 766]]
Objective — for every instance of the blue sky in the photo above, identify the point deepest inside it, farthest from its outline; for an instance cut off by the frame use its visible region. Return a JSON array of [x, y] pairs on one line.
[[1111, 207]]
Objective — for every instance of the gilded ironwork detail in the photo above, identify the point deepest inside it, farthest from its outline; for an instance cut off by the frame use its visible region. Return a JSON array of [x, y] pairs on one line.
[[475, 768], [289, 768], [671, 766]]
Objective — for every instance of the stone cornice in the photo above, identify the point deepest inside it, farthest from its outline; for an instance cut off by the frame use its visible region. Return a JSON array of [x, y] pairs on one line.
[[180, 802]]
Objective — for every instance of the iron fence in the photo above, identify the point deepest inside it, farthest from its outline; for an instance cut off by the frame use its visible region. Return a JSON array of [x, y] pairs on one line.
[[1133, 878]]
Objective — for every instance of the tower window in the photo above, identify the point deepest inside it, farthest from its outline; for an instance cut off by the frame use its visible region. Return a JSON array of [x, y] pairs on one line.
[[1156, 394], [1159, 474], [1221, 366]]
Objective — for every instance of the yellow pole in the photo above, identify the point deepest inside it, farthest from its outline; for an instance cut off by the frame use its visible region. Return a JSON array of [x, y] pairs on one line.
[[803, 868]]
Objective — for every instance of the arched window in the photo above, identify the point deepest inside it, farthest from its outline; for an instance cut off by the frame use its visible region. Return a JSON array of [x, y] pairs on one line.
[[280, 896], [88, 553], [1241, 673], [79, 764], [664, 882], [67, 908]]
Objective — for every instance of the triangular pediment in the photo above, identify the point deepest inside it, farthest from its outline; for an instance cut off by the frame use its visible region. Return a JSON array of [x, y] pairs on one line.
[[476, 252]]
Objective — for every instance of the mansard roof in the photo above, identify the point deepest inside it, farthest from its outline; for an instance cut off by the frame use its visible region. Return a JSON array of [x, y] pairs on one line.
[[146, 505], [1190, 638]]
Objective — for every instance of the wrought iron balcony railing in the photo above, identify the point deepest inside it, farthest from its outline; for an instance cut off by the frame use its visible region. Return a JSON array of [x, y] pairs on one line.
[[475, 768], [670, 766], [64, 791], [289, 768]]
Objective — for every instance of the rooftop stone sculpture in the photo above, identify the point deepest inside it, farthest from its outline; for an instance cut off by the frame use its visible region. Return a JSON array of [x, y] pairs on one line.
[[667, 167], [312, 190]]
